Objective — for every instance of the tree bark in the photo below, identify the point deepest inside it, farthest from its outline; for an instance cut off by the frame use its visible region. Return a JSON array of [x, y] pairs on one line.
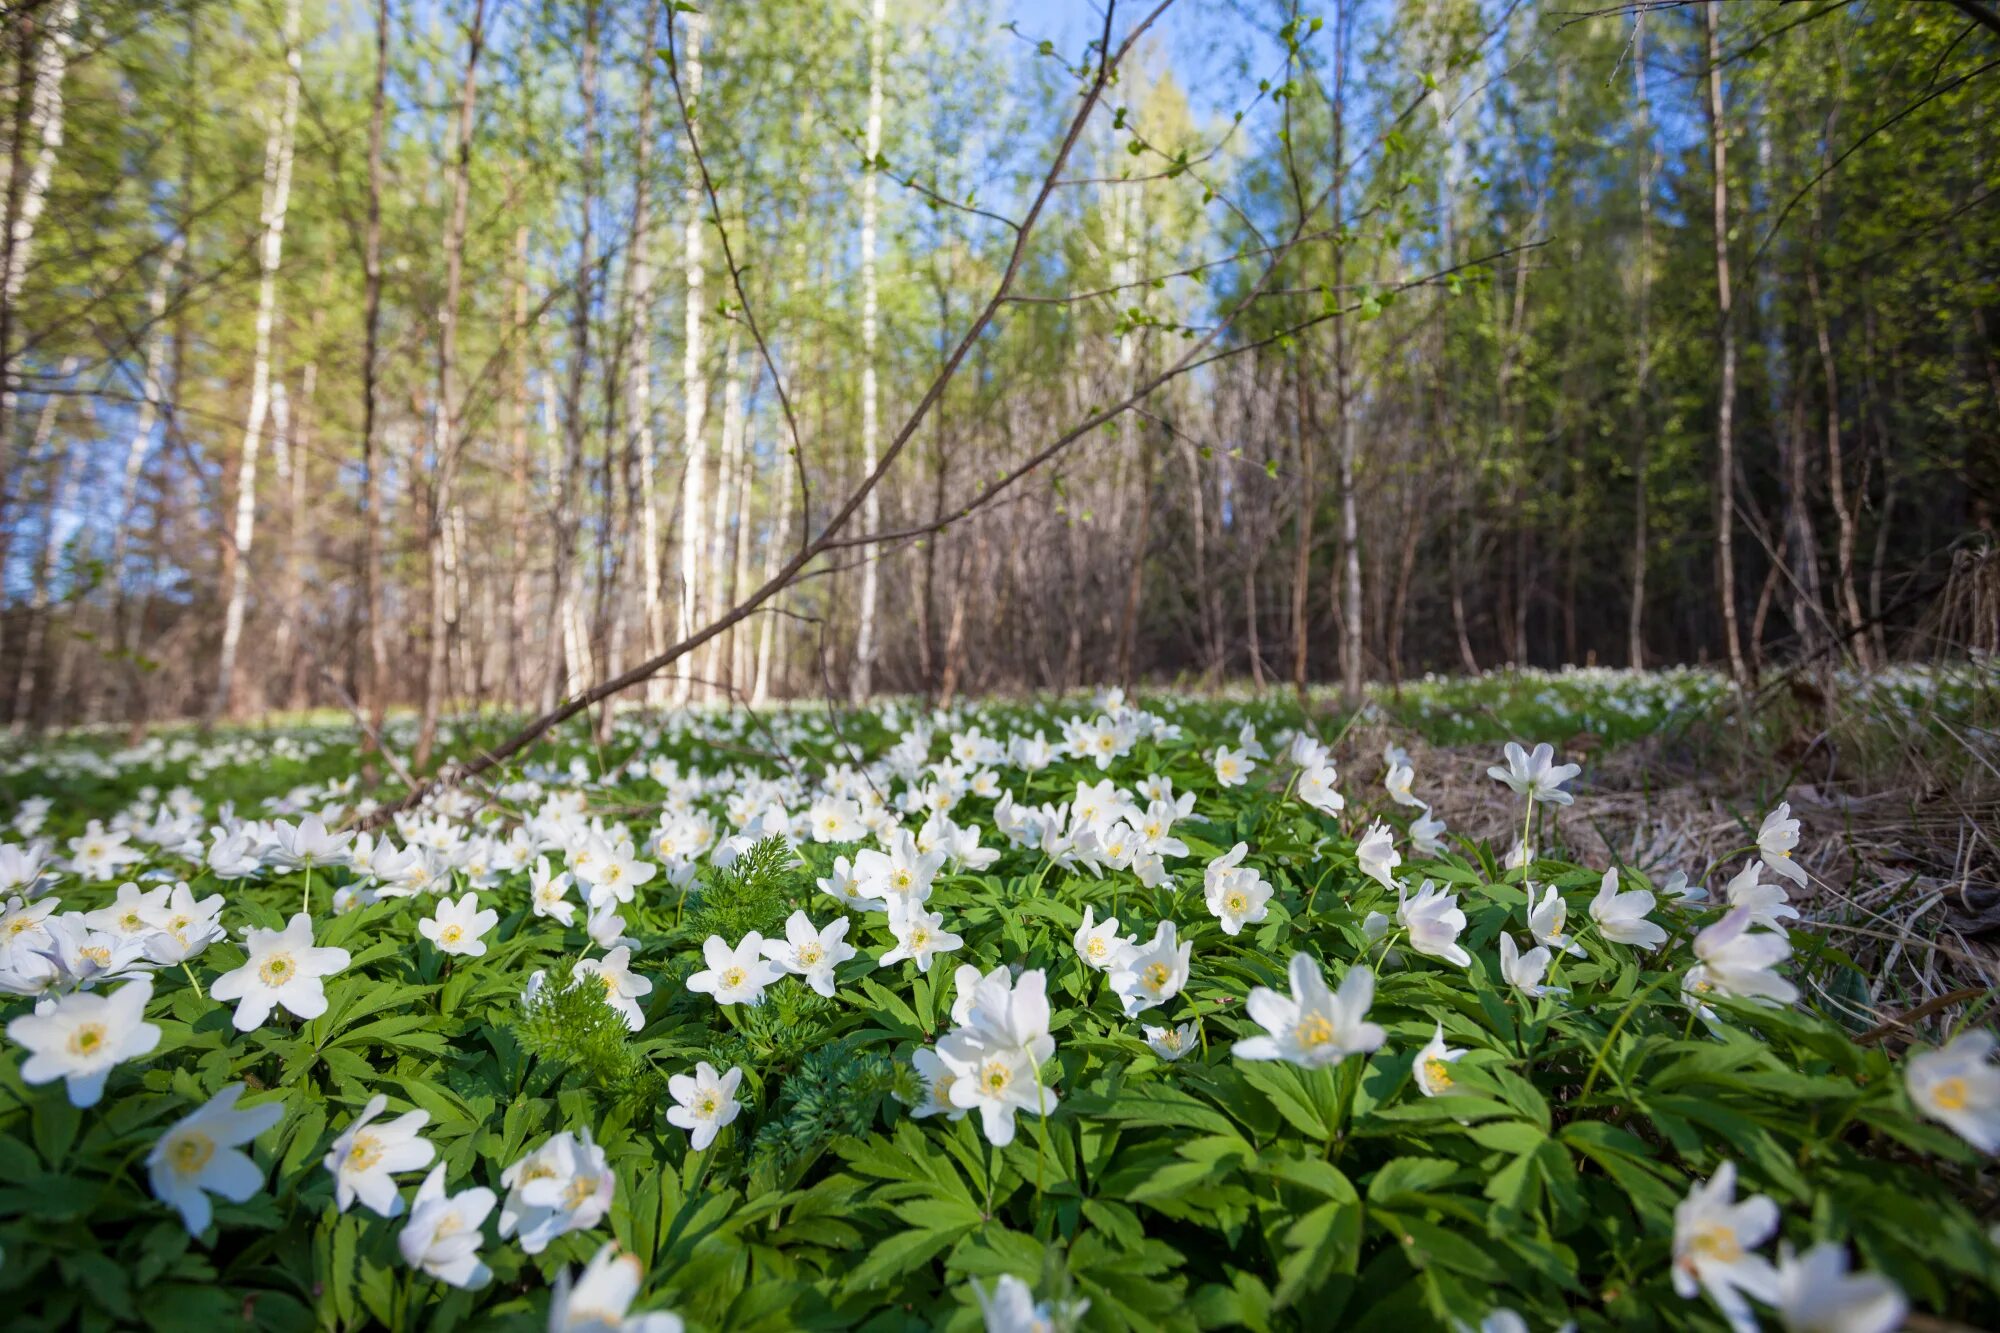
[[276, 201], [1725, 440], [863, 679], [447, 439], [694, 390]]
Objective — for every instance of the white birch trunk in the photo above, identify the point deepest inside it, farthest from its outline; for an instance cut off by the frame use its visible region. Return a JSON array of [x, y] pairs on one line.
[[62, 499], [45, 130], [277, 197], [863, 680], [694, 399], [728, 459]]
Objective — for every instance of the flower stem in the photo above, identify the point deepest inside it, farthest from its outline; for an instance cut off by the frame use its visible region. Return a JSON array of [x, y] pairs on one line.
[[305, 899], [191, 979]]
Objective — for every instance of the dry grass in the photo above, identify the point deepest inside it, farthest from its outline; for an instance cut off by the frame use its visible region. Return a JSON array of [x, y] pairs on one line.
[[1900, 832]]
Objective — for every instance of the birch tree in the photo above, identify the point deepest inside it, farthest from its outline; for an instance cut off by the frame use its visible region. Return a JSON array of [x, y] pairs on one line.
[[278, 148], [863, 680]]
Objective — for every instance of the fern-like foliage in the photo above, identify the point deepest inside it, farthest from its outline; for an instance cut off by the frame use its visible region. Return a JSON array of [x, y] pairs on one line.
[[756, 893], [836, 1090], [572, 1028]]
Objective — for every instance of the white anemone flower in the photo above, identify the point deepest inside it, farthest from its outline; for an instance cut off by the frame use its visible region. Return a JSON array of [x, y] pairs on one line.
[[735, 975], [366, 1156], [622, 987], [1098, 943], [456, 927], [1377, 856], [563, 1186], [707, 1102], [1959, 1087], [1524, 971], [1313, 1026], [598, 1300], [1777, 837], [442, 1236], [811, 952], [1816, 1294], [1432, 1067], [1433, 920], [1714, 1242], [202, 1154], [1151, 974], [281, 968], [81, 1038], [1622, 916], [1535, 776]]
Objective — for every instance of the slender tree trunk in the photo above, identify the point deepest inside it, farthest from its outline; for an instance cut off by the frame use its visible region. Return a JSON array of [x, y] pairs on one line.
[[569, 647], [719, 557], [1308, 503], [371, 393], [446, 444], [1642, 425], [862, 682], [154, 388], [277, 199], [518, 492], [65, 480], [773, 556], [1343, 389], [694, 392], [1725, 439], [639, 382], [1836, 475], [38, 120]]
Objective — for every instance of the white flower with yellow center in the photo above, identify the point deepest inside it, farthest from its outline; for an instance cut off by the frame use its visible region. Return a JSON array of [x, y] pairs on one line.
[[1233, 767], [920, 937], [81, 1037], [442, 1236], [1957, 1086], [1714, 1240], [707, 1102], [811, 953], [1377, 856], [203, 1154], [1172, 1043], [734, 975], [1236, 894], [281, 968], [1098, 944], [1432, 1067], [563, 1186], [599, 1299], [938, 1078], [1777, 838], [622, 988], [1150, 975], [1548, 921], [1313, 1026], [366, 1156], [455, 928]]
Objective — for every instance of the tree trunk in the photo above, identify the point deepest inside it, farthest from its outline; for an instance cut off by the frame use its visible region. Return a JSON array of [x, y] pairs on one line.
[[694, 391], [569, 646], [444, 603], [863, 679], [1635, 623], [1725, 440], [38, 119], [371, 392], [277, 199], [66, 478], [153, 386]]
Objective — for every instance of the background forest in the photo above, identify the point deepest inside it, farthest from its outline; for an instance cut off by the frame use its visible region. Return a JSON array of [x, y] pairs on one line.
[[373, 353]]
